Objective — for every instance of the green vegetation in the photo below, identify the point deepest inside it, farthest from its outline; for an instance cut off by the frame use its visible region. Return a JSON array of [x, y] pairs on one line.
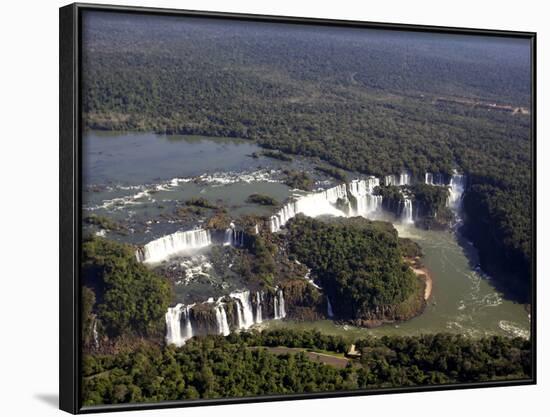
[[88, 318], [277, 155], [392, 198], [409, 248], [105, 223], [358, 262], [217, 367], [333, 172], [504, 245], [430, 203], [299, 179], [258, 263], [429, 199], [262, 199], [127, 298], [200, 202]]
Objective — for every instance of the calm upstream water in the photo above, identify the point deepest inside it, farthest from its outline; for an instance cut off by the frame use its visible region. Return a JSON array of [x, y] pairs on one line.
[[140, 179], [142, 158]]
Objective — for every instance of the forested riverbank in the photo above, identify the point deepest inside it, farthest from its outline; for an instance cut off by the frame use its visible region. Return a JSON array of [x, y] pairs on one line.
[[217, 367]]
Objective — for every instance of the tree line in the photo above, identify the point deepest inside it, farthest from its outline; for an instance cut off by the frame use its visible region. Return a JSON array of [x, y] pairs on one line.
[[236, 366]]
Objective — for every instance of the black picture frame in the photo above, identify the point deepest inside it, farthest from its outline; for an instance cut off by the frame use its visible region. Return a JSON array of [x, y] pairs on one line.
[[71, 197]]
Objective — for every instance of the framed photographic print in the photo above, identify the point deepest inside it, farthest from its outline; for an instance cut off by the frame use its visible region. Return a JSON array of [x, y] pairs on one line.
[[259, 208]]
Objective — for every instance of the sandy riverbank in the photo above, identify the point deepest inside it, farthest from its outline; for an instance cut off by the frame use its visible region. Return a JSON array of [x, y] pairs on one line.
[[425, 274]]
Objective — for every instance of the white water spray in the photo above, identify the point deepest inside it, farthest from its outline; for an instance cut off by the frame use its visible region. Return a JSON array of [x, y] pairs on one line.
[[245, 316], [163, 248]]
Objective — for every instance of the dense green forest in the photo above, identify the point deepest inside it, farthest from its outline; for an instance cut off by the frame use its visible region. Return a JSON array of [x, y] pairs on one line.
[[217, 367], [358, 262], [127, 298], [262, 199], [430, 204], [371, 101]]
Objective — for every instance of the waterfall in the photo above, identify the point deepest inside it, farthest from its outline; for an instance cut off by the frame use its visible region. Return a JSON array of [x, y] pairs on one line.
[[390, 180], [357, 199], [228, 237], [403, 179], [95, 334], [257, 229], [259, 297], [160, 249], [313, 205], [308, 278], [279, 311], [362, 198], [178, 318], [407, 212], [238, 238], [429, 178], [434, 179], [180, 327], [456, 189], [221, 319], [358, 194], [173, 325], [245, 316], [330, 312], [282, 311], [233, 236], [240, 320]]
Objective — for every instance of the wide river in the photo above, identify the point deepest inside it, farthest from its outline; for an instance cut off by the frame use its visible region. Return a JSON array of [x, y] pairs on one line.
[[140, 179]]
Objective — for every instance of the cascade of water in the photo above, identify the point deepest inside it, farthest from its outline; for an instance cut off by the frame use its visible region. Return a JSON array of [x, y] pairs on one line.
[[330, 312], [259, 297], [358, 194], [362, 198], [238, 238], [228, 237], [308, 278], [276, 307], [187, 325], [238, 308], [160, 249], [234, 237], [221, 319], [282, 310], [434, 179], [244, 309], [95, 334], [407, 212], [404, 178], [456, 189], [178, 324], [390, 180], [279, 311], [313, 205], [429, 178], [173, 325]]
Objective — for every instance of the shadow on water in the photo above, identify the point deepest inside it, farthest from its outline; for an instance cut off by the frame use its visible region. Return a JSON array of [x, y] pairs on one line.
[[50, 399], [509, 291]]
